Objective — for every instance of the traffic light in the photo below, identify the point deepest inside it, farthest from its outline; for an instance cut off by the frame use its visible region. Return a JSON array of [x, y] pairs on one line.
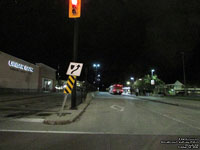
[[74, 8]]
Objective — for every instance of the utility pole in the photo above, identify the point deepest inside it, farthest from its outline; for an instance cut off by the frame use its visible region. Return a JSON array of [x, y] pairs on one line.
[[58, 76], [75, 13], [184, 78], [75, 53]]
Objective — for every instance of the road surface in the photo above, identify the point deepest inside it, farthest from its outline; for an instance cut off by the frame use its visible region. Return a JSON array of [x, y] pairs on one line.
[[110, 122]]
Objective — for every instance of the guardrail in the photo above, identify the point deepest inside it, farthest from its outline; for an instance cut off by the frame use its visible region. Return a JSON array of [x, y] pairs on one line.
[[82, 92]]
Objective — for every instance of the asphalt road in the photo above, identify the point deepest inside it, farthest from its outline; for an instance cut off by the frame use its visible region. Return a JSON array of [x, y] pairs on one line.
[[110, 122]]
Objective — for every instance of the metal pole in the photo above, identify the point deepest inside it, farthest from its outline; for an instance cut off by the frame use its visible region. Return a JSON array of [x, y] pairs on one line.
[[63, 106], [58, 76], [86, 74], [75, 51], [184, 78], [96, 82]]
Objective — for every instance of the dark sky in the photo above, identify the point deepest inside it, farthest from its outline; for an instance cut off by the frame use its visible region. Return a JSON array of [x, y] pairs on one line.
[[127, 37]]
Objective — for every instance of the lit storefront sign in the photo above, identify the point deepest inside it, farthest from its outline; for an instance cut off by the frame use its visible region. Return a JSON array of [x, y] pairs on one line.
[[20, 66], [152, 82]]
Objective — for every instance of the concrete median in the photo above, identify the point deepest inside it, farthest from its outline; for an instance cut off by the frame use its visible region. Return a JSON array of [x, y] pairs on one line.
[[69, 116]]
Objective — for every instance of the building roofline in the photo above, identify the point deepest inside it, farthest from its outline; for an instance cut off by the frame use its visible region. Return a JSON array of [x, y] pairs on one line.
[[20, 59], [41, 64]]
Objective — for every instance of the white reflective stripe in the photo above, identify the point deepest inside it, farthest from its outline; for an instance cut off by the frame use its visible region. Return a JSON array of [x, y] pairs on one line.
[[59, 132], [29, 120], [175, 119]]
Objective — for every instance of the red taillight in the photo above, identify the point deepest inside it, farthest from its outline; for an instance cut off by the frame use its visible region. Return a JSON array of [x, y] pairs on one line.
[[118, 85]]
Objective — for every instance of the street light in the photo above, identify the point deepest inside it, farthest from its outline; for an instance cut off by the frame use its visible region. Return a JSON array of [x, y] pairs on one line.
[[128, 83], [132, 79], [96, 66], [152, 71], [152, 79]]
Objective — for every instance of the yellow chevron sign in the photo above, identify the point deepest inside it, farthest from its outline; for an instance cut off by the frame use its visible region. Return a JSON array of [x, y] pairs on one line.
[[70, 84]]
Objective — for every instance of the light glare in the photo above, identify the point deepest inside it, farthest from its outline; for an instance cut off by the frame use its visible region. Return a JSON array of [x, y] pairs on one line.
[[74, 2]]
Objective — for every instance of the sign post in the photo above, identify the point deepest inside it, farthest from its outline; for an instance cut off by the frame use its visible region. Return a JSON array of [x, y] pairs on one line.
[[63, 105], [68, 90], [74, 70]]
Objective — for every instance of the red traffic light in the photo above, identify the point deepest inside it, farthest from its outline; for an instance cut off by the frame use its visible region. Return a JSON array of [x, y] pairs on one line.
[[74, 8]]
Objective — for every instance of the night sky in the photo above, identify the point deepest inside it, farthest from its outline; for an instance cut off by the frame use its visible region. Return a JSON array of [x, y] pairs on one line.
[[127, 37]]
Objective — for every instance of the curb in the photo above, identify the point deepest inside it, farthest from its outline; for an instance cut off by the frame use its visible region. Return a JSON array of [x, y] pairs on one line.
[[174, 104], [157, 101], [53, 122], [64, 121]]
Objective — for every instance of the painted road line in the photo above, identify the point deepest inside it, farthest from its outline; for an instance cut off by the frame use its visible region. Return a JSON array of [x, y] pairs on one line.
[[55, 132], [175, 119], [29, 120], [117, 107]]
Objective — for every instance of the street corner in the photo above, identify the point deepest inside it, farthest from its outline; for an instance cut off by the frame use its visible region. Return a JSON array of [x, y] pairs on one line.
[[55, 119], [68, 116]]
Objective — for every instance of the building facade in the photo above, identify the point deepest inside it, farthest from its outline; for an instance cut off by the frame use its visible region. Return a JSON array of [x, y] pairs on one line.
[[17, 74], [47, 77], [177, 88]]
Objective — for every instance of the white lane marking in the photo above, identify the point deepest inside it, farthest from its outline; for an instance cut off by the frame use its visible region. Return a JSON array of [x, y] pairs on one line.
[[29, 120], [175, 119], [117, 107], [59, 132]]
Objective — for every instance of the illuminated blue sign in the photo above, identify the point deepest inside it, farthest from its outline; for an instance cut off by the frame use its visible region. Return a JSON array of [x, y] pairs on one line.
[[20, 66]]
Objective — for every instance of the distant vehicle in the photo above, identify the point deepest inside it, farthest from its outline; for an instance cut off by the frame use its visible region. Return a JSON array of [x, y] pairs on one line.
[[116, 89], [126, 90]]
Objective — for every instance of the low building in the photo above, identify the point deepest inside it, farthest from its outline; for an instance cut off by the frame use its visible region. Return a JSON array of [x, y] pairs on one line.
[[47, 77], [179, 88], [174, 89], [19, 75]]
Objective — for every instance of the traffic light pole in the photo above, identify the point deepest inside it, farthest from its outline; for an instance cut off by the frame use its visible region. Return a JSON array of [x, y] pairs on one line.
[[75, 52]]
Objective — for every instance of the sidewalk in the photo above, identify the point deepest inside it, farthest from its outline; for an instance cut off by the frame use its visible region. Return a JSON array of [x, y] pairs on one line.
[[189, 103], [195, 98], [69, 116], [15, 97]]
